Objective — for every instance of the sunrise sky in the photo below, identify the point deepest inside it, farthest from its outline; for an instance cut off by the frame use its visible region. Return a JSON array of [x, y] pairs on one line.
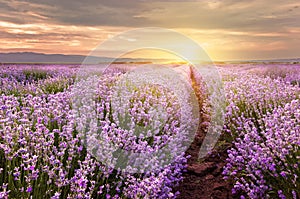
[[226, 29]]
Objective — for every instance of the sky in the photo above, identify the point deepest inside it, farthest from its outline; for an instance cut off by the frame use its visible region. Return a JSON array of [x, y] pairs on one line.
[[225, 29]]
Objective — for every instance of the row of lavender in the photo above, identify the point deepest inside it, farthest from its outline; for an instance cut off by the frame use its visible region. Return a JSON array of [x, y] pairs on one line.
[[263, 127], [43, 153], [21, 80]]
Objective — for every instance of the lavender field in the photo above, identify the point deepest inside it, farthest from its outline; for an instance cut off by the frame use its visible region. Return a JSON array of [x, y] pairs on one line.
[[43, 153]]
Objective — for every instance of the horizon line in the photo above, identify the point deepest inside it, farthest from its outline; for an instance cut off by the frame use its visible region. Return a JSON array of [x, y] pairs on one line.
[[143, 58]]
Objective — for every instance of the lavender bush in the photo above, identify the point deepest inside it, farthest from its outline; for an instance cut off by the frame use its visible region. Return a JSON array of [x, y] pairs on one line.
[[55, 145], [262, 125], [44, 151]]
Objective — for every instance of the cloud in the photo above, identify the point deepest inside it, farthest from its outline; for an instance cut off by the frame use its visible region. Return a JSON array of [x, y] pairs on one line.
[[52, 38], [73, 12], [238, 15], [210, 14], [224, 26]]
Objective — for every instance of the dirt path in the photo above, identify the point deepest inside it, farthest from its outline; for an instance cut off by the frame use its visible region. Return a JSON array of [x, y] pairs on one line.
[[203, 180]]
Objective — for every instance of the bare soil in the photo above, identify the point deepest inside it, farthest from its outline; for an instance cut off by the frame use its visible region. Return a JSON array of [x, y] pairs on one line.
[[204, 179]]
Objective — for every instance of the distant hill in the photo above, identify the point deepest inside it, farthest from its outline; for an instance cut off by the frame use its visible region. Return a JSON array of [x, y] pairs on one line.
[[30, 57], [295, 60], [35, 58], [267, 61]]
